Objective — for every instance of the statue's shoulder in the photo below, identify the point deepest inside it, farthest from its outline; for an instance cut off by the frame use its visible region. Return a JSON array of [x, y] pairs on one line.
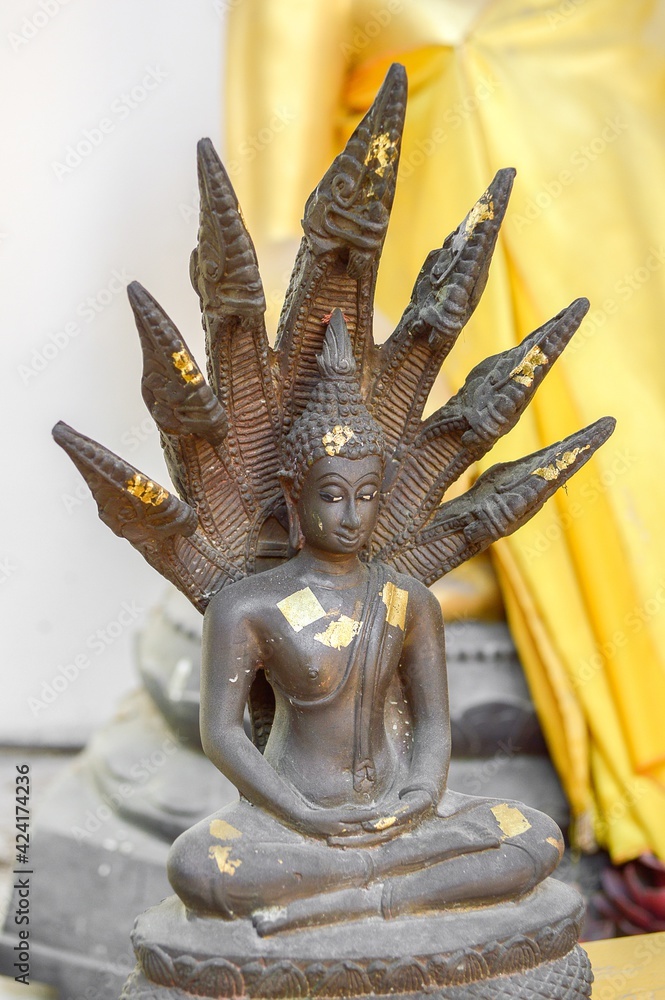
[[421, 600], [253, 595]]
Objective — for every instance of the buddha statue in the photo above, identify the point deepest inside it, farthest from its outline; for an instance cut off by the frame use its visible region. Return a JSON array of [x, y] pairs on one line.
[[310, 521], [346, 812]]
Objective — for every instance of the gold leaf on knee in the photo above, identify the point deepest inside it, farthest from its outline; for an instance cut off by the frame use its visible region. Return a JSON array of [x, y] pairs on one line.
[[222, 830], [226, 865], [511, 820]]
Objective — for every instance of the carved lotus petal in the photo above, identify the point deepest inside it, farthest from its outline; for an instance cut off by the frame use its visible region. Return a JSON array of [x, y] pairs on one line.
[[517, 954], [344, 980], [406, 976], [157, 965], [461, 967], [564, 938], [282, 980], [215, 978]]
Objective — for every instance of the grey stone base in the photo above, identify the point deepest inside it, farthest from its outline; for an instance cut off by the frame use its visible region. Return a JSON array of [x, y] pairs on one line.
[[525, 948]]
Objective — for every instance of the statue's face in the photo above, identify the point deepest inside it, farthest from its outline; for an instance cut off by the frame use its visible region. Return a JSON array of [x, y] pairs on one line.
[[339, 503]]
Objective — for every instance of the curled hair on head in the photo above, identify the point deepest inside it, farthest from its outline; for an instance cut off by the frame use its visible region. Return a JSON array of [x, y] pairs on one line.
[[335, 420]]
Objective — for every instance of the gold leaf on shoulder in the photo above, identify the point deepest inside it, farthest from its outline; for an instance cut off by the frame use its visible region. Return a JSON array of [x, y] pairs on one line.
[[396, 601]]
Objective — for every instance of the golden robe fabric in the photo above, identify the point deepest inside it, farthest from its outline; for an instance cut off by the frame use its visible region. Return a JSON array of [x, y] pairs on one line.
[[572, 94]]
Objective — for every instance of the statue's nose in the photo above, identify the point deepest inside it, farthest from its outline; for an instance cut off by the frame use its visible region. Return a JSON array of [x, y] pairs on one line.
[[351, 517]]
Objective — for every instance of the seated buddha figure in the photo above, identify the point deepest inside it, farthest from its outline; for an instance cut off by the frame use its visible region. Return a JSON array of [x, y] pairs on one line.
[[346, 813]]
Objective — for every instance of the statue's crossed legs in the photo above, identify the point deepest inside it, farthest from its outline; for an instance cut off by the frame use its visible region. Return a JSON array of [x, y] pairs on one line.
[[242, 862]]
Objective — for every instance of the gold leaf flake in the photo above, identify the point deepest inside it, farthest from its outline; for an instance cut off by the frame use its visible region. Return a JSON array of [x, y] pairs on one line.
[[396, 601], [385, 822], [481, 212], [511, 820], [339, 633], [553, 471], [559, 844], [335, 439], [524, 371], [187, 368], [222, 830], [301, 609], [226, 864], [383, 149], [549, 472], [145, 490]]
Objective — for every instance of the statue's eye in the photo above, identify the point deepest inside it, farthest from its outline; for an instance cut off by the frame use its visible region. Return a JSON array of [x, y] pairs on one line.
[[330, 497], [368, 495]]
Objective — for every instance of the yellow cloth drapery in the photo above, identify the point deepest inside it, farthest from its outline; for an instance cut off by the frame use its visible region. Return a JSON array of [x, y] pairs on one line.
[[571, 93]]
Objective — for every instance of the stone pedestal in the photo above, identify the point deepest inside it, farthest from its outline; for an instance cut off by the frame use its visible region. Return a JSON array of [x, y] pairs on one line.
[[522, 949]]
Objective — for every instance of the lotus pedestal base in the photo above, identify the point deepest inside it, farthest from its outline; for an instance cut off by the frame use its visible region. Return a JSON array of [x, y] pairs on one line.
[[525, 949]]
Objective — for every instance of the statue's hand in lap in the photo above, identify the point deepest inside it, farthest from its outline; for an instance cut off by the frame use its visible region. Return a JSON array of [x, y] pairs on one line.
[[339, 825], [383, 822]]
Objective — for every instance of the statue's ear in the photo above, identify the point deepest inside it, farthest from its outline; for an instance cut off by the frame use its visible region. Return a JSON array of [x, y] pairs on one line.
[[390, 471], [296, 537]]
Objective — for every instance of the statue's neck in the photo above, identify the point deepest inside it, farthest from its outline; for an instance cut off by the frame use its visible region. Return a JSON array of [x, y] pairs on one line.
[[331, 565]]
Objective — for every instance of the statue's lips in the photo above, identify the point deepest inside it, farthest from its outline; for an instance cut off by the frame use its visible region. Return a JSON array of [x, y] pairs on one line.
[[347, 538]]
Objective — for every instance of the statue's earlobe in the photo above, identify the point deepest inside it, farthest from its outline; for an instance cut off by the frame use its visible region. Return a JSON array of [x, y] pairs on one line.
[[390, 471], [296, 537]]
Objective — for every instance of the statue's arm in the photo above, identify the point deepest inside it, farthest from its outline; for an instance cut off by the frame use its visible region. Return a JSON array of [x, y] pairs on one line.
[[231, 655], [426, 688]]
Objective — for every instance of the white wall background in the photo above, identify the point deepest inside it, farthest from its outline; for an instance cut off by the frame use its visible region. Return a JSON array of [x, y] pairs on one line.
[[84, 208]]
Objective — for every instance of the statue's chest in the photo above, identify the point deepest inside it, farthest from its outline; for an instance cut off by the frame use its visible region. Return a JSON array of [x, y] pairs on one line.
[[312, 652]]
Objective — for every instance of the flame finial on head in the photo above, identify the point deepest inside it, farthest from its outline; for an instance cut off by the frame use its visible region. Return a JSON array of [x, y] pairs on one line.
[[336, 359], [335, 420]]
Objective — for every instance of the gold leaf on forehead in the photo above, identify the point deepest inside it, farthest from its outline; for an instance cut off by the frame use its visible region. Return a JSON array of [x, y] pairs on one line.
[[145, 490], [554, 470], [301, 609], [524, 371], [383, 149], [187, 368], [335, 439], [511, 820], [396, 601], [482, 211], [339, 633]]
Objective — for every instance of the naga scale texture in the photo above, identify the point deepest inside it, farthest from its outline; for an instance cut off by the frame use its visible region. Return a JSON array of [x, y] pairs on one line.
[[221, 437]]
